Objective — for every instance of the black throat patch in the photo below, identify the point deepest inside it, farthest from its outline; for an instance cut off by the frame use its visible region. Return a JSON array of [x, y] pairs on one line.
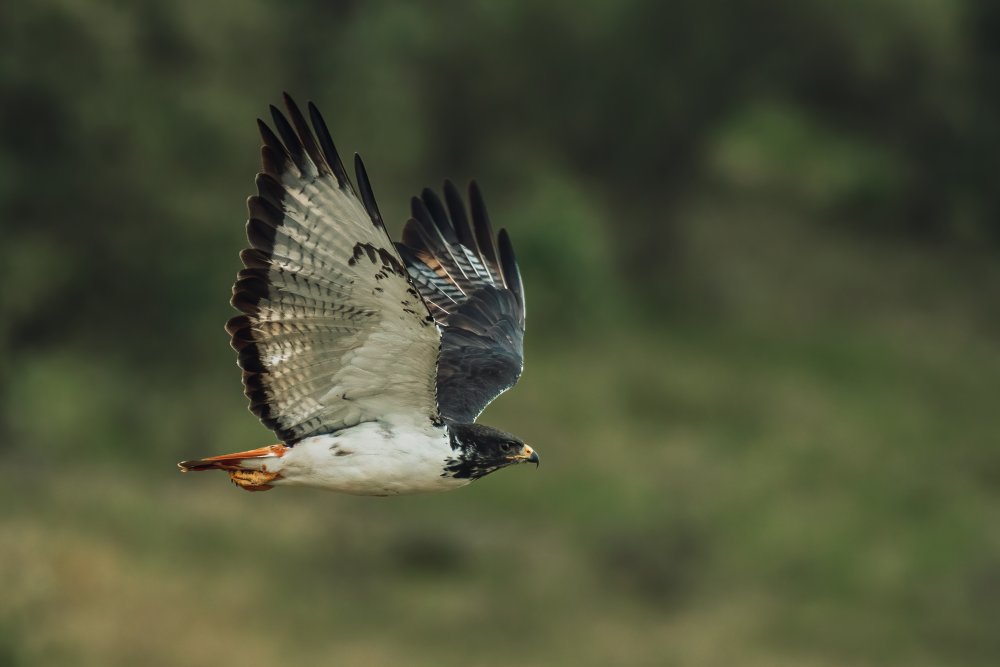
[[468, 461]]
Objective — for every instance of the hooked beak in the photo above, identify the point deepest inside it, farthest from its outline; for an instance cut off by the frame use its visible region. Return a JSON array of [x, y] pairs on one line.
[[527, 455]]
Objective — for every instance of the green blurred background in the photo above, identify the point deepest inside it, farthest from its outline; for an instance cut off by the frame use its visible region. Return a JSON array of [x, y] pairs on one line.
[[760, 242]]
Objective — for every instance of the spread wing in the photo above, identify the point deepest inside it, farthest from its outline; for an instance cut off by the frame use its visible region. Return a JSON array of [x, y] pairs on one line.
[[333, 332], [472, 286]]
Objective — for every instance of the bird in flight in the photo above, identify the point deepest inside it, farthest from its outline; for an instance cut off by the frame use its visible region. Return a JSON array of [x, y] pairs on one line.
[[370, 360]]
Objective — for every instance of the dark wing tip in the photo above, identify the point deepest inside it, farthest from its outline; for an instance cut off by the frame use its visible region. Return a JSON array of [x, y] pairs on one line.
[[508, 265], [329, 149], [270, 139], [419, 211], [481, 223], [367, 196], [305, 134], [412, 235], [292, 141], [459, 217], [269, 189], [439, 215]]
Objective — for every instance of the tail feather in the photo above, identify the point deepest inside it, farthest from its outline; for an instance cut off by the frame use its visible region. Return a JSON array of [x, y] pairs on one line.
[[234, 461]]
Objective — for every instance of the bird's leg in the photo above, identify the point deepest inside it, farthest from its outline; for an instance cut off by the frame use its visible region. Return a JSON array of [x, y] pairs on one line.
[[253, 480]]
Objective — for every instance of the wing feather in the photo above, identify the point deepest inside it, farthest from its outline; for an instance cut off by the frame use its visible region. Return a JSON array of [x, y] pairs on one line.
[[333, 331], [473, 289]]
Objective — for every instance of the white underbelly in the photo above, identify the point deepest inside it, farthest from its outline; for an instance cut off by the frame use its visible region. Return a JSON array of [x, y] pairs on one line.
[[372, 459]]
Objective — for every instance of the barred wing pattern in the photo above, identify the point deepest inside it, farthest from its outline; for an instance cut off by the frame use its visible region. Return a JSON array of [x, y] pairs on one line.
[[472, 285], [333, 332]]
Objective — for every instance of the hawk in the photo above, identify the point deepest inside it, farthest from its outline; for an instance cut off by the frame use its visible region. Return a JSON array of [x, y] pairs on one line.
[[371, 360]]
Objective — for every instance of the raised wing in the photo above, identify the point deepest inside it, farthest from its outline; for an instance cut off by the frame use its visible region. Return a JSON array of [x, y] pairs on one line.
[[472, 286], [333, 332]]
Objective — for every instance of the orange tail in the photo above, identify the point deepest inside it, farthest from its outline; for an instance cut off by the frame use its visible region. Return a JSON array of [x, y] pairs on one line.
[[232, 461]]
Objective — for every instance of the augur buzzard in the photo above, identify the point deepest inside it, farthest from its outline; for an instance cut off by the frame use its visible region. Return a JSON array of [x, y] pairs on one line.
[[370, 360]]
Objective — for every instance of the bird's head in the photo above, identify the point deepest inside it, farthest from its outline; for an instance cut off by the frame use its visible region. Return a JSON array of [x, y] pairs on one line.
[[480, 450]]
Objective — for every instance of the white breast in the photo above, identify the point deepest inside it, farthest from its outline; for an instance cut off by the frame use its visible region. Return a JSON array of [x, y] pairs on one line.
[[373, 459]]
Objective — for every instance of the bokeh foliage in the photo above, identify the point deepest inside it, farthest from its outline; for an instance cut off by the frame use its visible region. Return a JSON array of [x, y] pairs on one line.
[[760, 242]]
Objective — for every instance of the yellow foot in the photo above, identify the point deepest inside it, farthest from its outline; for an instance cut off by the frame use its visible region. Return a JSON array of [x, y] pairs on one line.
[[253, 480]]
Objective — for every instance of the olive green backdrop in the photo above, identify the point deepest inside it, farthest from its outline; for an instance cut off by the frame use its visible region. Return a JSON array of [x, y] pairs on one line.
[[760, 242]]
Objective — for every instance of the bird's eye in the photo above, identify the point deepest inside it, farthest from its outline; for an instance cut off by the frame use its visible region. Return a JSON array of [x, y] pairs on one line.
[[506, 447]]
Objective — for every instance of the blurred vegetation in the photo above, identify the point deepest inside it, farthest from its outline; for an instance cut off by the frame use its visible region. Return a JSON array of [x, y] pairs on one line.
[[760, 242]]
